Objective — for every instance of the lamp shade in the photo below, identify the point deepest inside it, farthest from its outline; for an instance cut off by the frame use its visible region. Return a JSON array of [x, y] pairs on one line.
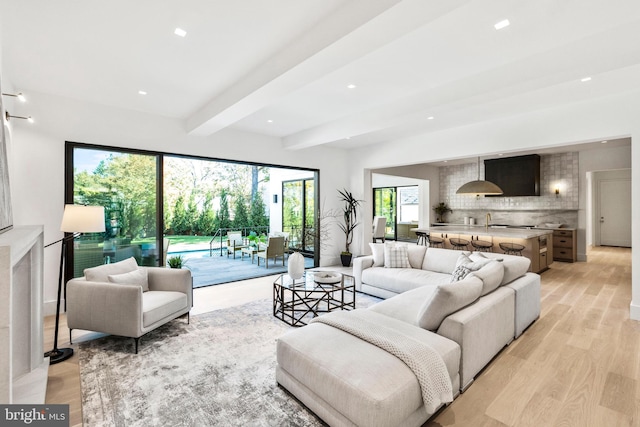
[[480, 188], [82, 219]]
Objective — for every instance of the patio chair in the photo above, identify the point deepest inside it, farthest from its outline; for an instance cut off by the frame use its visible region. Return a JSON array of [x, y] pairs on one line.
[[235, 242], [379, 224], [274, 249]]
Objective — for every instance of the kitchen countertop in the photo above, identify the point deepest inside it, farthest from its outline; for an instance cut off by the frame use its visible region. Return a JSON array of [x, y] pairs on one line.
[[481, 230]]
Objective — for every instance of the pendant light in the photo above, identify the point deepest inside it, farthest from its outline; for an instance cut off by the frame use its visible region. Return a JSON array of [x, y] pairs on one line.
[[479, 187]]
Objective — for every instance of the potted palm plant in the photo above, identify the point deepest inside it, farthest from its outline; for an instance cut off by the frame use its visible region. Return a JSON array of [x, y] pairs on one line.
[[350, 217], [441, 209]]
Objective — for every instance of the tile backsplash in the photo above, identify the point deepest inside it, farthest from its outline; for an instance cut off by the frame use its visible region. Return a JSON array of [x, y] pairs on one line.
[[558, 170]]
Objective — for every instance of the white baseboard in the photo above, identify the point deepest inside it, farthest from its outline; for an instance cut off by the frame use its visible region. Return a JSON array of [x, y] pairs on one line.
[[634, 311], [49, 308]]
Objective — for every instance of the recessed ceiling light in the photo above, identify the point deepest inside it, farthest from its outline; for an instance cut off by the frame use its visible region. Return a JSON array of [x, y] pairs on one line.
[[430, 118], [348, 137], [500, 154], [604, 142], [269, 121], [502, 24], [142, 92], [585, 79], [351, 86], [180, 32]]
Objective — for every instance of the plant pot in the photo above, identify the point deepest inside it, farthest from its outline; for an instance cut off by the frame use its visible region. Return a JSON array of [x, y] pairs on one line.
[[346, 259]]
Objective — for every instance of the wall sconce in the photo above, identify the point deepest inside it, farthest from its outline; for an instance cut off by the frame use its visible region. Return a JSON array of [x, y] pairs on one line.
[[275, 198], [9, 116], [557, 191], [18, 95]]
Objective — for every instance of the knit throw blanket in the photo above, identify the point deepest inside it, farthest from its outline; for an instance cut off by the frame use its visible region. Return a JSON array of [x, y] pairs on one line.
[[426, 364]]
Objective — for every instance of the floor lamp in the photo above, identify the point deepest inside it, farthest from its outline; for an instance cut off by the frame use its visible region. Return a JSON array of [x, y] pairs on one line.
[[77, 219]]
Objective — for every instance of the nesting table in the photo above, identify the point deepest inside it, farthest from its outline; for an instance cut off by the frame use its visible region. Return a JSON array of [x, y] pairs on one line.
[[297, 301]]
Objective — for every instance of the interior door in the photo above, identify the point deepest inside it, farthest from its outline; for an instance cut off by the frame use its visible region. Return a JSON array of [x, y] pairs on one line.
[[615, 212]]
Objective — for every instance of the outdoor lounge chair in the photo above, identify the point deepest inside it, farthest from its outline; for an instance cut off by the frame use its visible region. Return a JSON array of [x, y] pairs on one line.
[[274, 249], [235, 242]]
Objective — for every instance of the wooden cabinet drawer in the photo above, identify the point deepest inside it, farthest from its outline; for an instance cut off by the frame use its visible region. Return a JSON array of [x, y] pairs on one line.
[[562, 242], [563, 254], [563, 233]]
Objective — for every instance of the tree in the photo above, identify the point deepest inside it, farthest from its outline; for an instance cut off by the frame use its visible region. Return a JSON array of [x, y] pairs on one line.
[[191, 215], [240, 214], [257, 212], [222, 217], [207, 219], [179, 224]]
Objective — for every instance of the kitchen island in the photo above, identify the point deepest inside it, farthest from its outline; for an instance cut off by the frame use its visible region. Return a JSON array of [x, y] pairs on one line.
[[537, 242]]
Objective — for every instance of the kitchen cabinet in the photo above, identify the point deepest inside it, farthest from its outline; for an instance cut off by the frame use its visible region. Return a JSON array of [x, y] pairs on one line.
[[564, 245]]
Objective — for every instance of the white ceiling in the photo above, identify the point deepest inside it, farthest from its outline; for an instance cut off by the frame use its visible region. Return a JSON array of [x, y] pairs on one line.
[[245, 63]]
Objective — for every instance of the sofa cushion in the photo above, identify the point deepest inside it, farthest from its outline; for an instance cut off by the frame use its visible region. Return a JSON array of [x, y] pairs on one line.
[[491, 275], [402, 279], [514, 266], [396, 256], [377, 250], [136, 277], [156, 305], [101, 273], [448, 299], [407, 305], [369, 386], [416, 255], [465, 265], [441, 260]]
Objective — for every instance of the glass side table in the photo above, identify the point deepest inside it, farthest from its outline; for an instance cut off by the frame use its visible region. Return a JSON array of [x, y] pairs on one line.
[[295, 302]]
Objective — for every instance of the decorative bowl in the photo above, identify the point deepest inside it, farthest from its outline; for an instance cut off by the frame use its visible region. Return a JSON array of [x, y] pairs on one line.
[[552, 225], [327, 277]]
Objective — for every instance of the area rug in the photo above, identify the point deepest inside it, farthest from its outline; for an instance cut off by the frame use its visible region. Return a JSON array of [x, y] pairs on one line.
[[219, 370]]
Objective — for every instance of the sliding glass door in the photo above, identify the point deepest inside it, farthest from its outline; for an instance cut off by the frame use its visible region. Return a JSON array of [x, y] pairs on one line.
[[126, 185], [299, 214], [384, 204]]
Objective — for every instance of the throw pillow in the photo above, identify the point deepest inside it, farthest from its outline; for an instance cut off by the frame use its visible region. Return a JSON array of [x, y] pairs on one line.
[[396, 256], [377, 250], [446, 300], [491, 275], [465, 265], [101, 272], [137, 277]]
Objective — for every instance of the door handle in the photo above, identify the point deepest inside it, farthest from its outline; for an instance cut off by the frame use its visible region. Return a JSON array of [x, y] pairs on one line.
[[601, 219]]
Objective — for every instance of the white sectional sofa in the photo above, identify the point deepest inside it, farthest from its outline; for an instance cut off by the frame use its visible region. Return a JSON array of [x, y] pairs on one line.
[[349, 380]]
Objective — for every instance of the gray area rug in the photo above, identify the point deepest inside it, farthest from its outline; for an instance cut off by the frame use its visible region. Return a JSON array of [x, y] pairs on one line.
[[217, 371]]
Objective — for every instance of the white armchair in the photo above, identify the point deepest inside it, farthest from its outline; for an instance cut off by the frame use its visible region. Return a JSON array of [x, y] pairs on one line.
[[112, 299]]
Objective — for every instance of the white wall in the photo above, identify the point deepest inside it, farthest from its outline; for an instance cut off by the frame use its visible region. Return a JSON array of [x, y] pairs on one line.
[[594, 120], [38, 158]]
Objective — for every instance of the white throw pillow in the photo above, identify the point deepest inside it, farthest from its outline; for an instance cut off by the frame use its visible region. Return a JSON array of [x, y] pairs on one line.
[[491, 275], [416, 255], [514, 266], [101, 273], [377, 250], [396, 256], [137, 277], [465, 265], [448, 299]]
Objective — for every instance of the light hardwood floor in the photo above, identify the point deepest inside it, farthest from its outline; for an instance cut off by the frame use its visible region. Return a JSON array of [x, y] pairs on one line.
[[578, 365]]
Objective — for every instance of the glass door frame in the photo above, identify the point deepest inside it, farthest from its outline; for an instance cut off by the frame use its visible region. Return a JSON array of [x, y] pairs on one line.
[[316, 214]]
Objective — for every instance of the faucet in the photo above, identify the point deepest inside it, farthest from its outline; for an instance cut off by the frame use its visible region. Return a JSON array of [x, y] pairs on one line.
[[487, 219]]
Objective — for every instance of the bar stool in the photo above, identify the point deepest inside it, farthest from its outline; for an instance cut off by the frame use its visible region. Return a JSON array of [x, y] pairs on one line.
[[422, 238], [459, 244], [512, 248], [482, 245], [435, 242]]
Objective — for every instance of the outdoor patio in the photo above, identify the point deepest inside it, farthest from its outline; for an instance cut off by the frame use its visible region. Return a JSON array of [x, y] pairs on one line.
[[208, 270]]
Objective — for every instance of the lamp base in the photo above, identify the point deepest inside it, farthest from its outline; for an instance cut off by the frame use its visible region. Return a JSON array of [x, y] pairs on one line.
[[58, 355]]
